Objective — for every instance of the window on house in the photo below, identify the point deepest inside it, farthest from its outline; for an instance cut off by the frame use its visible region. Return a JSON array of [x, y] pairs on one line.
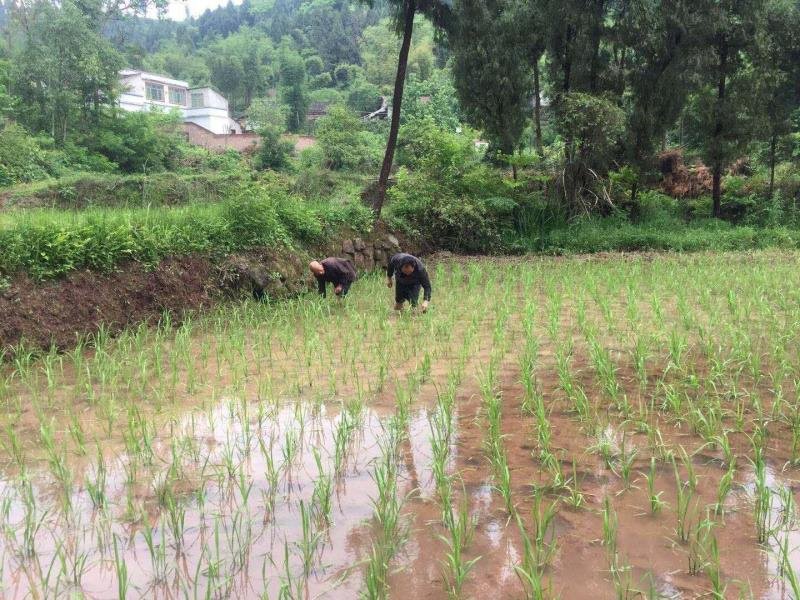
[[155, 92], [177, 96], [197, 99]]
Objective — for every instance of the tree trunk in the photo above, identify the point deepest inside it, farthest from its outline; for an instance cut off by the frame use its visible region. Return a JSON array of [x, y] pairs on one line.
[[772, 149], [567, 68], [410, 10], [718, 127], [597, 31], [537, 109], [716, 191]]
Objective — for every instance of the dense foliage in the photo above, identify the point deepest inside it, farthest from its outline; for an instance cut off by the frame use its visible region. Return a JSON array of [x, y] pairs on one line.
[[547, 126]]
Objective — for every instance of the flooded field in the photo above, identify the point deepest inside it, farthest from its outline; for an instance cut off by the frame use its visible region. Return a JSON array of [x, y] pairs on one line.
[[614, 427]]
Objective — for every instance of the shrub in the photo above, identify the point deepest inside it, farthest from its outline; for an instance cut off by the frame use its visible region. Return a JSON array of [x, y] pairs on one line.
[[364, 97], [138, 142], [343, 142], [445, 193], [467, 223], [253, 220], [423, 146], [21, 158], [314, 65], [321, 81]]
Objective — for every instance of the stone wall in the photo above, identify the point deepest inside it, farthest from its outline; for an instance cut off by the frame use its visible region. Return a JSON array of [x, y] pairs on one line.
[[372, 253], [278, 274]]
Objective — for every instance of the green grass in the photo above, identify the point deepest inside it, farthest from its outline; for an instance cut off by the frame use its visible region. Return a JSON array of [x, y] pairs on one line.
[[48, 243], [599, 235], [84, 190]]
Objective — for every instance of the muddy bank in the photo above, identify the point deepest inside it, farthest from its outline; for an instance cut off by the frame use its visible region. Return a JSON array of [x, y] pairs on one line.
[[55, 313]]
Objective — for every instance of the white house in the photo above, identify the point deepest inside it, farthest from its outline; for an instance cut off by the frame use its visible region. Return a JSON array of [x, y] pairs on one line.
[[203, 106]]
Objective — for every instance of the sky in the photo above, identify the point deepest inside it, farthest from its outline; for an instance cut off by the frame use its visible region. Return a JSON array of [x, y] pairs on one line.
[[177, 9]]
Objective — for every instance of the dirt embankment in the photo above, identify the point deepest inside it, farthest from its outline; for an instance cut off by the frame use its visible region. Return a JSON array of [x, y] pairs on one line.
[[54, 313]]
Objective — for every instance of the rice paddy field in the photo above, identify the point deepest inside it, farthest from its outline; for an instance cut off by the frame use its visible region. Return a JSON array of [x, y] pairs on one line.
[[615, 427]]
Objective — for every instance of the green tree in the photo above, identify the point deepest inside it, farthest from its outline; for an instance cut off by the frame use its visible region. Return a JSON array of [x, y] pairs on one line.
[[379, 48], [7, 102], [777, 64], [364, 97], [136, 141], [268, 118], [242, 66], [294, 93], [726, 34], [527, 26], [591, 126], [655, 37], [343, 141], [65, 71], [577, 54], [174, 60], [404, 13], [435, 99], [490, 70]]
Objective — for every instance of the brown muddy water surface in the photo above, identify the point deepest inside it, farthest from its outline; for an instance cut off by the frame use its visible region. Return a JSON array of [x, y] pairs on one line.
[[240, 455]]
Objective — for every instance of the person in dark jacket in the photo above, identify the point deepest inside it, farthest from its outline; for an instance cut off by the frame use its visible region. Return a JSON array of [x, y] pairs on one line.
[[337, 271], [411, 276]]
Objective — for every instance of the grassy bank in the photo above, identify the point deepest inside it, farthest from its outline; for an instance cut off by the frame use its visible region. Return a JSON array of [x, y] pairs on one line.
[[47, 243], [607, 235], [126, 191]]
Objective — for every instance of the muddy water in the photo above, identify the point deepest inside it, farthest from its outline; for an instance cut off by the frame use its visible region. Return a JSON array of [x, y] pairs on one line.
[[238, 532], [204, 495]]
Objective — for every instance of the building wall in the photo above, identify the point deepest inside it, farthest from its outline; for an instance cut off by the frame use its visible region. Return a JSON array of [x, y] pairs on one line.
[[201, 136], [215, 120], [213, 115]]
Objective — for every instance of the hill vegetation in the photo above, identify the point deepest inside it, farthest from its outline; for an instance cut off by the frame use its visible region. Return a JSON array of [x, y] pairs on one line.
[[546, 126]]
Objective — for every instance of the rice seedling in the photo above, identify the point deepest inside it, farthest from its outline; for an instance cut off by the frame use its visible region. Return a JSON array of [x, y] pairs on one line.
[[609, 517], [455, 567], [316, 420], [656, 503]]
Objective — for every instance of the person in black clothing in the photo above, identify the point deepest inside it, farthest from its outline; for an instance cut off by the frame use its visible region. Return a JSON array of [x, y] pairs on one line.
[[337, 271], [411, 275]]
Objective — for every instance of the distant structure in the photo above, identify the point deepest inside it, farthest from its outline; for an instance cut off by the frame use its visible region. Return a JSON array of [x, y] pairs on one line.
[[203, 106]]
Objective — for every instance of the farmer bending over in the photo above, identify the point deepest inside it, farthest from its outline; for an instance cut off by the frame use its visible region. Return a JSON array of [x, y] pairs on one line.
[[337, 271], [411, 275]]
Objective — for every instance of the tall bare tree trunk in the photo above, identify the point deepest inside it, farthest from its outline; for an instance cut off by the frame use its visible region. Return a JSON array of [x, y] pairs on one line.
[[537, 109], [410, 9], [773, 142], [716, 192]]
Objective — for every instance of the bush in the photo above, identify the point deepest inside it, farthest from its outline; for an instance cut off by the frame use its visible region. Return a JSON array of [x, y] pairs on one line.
[[321, 81], [49, 243], [601, 235], [444, 193], [253, 220], [297, 216], [364, 97], [314, 65], [274, 152], [461, 222], [22, 159], [344, 143], [423, 146], [138, 142]]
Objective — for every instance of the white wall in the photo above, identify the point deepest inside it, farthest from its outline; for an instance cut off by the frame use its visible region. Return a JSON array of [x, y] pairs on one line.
[[213, 119], [212, 116]]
